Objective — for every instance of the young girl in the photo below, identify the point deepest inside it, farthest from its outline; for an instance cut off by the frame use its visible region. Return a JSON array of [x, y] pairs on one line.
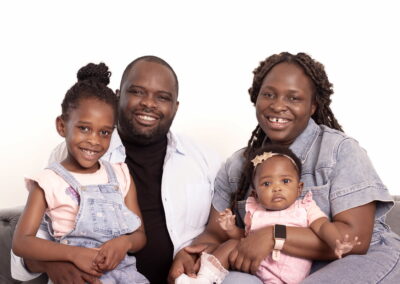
[[89, 206], [275, 175]]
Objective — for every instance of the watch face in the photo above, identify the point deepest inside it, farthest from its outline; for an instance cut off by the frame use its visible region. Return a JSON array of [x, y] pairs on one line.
[[280, 232]]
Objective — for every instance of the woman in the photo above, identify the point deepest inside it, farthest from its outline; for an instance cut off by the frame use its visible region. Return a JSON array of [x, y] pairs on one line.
[[291, 94]]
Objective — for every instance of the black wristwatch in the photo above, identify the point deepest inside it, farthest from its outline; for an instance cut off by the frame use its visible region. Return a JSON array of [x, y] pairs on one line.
[[279, 238]]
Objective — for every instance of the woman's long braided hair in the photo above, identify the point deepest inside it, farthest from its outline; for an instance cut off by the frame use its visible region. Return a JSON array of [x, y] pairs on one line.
[[322, 98]]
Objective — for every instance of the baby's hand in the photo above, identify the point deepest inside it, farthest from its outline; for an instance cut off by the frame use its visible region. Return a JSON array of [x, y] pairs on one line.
[[345, 246], [226, 220]]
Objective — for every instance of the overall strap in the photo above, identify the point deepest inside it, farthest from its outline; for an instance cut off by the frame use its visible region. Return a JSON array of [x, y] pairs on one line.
[[112, 178], [65, 174]]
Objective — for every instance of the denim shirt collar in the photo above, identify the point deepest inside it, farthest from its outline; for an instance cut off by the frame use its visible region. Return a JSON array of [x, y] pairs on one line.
[[303, 143]]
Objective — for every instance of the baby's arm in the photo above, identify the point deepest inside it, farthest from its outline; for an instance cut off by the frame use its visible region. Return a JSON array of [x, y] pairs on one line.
[[330, 233], [27, 245], [113, 252], [226, 221]]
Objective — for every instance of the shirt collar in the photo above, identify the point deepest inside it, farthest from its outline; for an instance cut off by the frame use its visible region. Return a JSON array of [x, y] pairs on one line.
[[173, 142], [302, 145], [116, 143]]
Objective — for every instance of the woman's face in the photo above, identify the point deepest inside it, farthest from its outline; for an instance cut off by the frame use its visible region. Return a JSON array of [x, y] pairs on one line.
[[285, 103]]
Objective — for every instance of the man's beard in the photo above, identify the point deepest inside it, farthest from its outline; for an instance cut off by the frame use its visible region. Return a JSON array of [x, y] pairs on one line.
[[129, 133]]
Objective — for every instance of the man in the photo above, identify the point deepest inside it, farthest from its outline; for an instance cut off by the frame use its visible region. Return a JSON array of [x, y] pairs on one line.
[[173, 176]]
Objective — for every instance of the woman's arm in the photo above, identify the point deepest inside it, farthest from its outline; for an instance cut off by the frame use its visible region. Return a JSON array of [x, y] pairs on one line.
[[358, 221]]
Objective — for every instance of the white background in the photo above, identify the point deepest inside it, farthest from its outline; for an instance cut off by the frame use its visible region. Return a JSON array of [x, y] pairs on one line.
[[213, 47]]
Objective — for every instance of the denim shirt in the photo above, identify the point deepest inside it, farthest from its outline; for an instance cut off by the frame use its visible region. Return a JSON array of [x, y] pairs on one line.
[[336, 170]]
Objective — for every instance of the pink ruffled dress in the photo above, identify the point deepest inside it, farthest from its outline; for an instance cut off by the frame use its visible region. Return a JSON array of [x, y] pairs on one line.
[[301, 213]]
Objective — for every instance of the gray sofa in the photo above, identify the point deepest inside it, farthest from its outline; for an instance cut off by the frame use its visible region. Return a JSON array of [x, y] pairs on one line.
[[9, 218]]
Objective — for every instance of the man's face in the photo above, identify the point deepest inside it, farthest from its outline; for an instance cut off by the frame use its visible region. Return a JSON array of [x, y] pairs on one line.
[[148, 102]]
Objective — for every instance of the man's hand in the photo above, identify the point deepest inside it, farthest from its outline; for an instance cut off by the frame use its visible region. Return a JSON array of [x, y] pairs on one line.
[[251, 250], [65, 273], [111, 253], [186, 261]]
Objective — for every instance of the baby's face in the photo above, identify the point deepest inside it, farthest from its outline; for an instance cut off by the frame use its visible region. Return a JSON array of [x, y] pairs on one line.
[[277, 183]]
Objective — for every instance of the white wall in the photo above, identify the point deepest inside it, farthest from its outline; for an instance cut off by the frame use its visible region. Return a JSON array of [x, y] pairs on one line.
[[213, 46]]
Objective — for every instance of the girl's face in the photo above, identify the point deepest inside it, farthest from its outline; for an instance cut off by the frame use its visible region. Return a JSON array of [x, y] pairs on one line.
[[87, 133], [285, 103], [277, 183]]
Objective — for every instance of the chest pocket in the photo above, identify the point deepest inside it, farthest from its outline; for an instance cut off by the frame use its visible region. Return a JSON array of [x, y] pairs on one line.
[[198, 204], [108, 214], [320, 195]]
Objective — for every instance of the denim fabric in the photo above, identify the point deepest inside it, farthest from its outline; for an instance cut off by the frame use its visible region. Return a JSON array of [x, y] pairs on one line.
[[102, 216], [340, 176]]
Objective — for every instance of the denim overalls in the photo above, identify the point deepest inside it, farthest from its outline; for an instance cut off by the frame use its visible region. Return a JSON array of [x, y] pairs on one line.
[[102, 216]]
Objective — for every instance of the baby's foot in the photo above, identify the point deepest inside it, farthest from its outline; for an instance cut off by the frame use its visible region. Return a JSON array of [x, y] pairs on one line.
[[184, 279]]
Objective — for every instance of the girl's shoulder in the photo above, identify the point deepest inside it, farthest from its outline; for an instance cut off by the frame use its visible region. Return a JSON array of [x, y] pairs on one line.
[[123, 176]]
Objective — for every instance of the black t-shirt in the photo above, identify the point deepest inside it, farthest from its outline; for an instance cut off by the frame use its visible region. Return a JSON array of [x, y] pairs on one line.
[[145, 163]]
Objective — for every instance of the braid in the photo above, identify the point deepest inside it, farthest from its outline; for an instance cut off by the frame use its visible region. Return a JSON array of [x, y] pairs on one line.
[[323, 91], [92, 83]]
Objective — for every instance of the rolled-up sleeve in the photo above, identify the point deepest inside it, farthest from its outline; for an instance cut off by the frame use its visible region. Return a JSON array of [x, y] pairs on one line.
[[18, 268], [354, 181], [227, 181], [222, 190]]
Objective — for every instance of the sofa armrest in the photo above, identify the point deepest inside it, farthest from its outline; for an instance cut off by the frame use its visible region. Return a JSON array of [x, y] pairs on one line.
[[393, 217], [8, 220]]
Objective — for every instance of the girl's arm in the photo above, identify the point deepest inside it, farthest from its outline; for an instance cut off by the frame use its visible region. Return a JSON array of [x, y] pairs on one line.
[[27, 245], [112, 252]]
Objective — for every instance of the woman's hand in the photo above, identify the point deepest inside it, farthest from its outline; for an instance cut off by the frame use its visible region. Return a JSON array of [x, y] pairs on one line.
[[251, 250], [111, 253]]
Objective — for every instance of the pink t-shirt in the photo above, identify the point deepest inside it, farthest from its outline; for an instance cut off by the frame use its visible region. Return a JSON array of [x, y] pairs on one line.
[[62, 199]]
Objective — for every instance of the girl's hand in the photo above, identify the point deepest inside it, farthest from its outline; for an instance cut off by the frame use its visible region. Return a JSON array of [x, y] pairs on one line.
[[345, 246], [111, 253], [227, 220], [83, 258]]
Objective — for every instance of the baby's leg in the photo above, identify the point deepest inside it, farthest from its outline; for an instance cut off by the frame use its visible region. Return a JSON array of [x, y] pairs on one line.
[[222, 252], [213, 267]]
